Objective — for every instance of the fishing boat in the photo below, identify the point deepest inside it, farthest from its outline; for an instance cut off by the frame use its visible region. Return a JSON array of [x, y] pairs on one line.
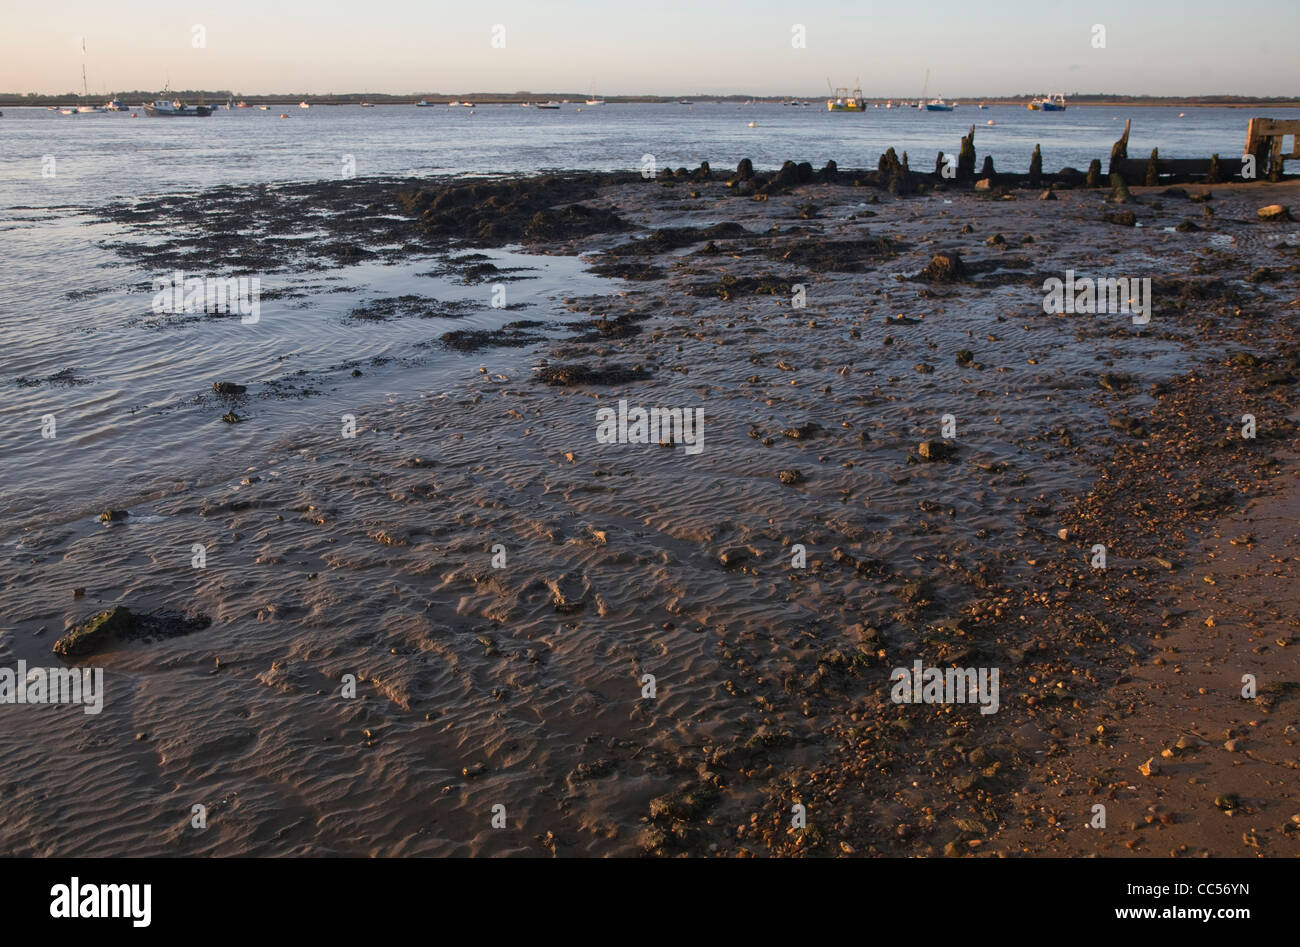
[[115, 105], [842, 100], [162, 108], [1048, 103]]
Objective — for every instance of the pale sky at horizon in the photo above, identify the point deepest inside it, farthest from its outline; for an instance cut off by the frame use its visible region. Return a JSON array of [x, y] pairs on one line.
[[668, 47]]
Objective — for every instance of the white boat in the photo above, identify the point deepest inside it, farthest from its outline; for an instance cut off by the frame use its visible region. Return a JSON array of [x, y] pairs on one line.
[[263, 108], [303, 105], [548, 105], [85, 93], [424, 104], [367, 105]]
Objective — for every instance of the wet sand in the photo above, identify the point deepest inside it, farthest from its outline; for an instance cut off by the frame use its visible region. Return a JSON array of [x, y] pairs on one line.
[[522, 686]]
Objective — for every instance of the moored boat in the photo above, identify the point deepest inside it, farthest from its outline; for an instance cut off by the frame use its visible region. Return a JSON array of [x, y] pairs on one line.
[[1048, 103], [175, 109], [842, 100], [939, 105], [303, 105], [424, 104], [548, 105]]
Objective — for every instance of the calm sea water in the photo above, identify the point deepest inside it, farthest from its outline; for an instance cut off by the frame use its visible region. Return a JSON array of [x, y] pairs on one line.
[[102, 156], [127, 394]]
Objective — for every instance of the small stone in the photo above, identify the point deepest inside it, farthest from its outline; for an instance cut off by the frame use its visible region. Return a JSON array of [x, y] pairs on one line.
[[1227, 801], [1048, 195], [935, 450], [791, 477], [1233, 745], [228, 388], [1063, 533], [1150, 767], [113, 516], [733, 557], [1274, 212]]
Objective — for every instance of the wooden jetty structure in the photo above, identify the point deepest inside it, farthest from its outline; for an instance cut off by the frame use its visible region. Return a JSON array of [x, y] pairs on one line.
[[1264, 142], [1264, 139]]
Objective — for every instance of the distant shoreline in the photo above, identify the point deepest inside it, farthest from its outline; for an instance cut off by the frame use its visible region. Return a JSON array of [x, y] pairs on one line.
[[18, 100]]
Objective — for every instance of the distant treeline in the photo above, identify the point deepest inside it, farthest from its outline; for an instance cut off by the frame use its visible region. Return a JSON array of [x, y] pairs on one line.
[[220, 96]]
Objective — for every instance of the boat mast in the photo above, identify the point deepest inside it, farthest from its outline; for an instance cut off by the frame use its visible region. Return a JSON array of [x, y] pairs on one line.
[[84, 92]]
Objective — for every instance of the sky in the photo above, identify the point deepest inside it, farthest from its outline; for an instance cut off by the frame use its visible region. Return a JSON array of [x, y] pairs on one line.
[[669, 47]]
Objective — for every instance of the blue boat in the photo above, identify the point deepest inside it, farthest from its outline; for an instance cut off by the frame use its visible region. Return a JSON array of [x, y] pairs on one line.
[[939, 105]]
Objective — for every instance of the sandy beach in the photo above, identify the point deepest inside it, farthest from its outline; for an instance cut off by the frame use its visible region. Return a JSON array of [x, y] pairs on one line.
[[902, 457]]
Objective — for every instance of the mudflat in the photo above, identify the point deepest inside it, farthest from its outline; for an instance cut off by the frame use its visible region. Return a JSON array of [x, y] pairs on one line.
[[562, 643]]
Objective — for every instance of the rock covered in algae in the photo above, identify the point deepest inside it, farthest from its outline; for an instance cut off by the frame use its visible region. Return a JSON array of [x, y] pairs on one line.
[[94, 633]]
